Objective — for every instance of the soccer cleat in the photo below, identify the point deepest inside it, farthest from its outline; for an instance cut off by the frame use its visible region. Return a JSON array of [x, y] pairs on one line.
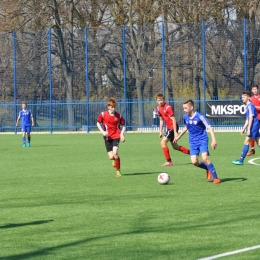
[[216, 181], [113, 163], [24, 145], [251, 152], [208, 175], [167, 164], [29, 145], [237, 162], [118, 174]]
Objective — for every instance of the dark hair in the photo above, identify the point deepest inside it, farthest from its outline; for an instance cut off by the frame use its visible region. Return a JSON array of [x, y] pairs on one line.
[[255, 86], [247, 93], [190, 102], [160, 95]]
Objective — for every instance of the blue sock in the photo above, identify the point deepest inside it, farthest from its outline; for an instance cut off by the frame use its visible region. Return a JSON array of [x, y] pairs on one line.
[[203, 166], [212, 169], [24, 140], [244, 152]]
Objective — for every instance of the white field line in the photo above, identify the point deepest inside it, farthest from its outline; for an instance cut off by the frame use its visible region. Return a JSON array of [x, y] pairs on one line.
[[231, 253], [252, 161]]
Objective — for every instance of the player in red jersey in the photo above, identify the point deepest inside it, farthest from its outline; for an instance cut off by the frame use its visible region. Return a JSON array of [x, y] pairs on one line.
[[166, 114], [108, 123], [255, 100]]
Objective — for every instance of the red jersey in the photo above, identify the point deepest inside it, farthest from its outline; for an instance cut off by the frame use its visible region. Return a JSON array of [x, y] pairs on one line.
[[255, 100], [166, 112], [111, 123]]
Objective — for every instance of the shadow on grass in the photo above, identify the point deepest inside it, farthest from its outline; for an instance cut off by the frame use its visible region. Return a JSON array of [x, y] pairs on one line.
[[233, 179], [139, 173], [14, 225]]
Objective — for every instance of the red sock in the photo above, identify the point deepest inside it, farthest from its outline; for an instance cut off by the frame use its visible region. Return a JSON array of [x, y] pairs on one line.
[[117, 163], [184, 150], [252, 144], [167, 153]]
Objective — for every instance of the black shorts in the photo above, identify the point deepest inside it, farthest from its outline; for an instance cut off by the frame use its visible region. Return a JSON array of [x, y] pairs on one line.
[[111, 143], [170, 133]]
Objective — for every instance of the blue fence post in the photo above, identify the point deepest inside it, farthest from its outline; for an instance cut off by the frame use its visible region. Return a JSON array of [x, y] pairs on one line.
[[87, 85], [245, 57], [124, 68], [163, 62], [15, 78], [50, 76], [203, 64]]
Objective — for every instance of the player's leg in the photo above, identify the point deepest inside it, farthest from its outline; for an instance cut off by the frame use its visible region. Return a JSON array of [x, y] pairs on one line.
[[109, 148], [28, 139], [210, 167], [240, 161], [116, 156], [166, 151], [24, 139], [252, 148], [180, 148]]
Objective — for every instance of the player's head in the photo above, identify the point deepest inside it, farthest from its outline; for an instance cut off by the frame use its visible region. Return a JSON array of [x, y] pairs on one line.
[[160, 99], [111, 105], [246, 96], [254, 89], [24, 105], [188, 107]]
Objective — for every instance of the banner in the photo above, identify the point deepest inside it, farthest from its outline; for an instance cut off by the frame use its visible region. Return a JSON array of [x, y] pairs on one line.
[[225, 109]]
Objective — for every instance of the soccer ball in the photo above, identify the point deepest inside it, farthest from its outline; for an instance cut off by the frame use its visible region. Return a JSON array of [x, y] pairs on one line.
[[163, 178]]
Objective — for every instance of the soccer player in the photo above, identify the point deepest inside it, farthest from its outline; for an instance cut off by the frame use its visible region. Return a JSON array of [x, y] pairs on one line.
[[166, 113], [197, 126], [27, 123], [252, 126], [255, 100], [108, 123]]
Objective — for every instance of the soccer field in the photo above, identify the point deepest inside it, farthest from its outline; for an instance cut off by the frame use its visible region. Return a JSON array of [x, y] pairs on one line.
[[60, 199]]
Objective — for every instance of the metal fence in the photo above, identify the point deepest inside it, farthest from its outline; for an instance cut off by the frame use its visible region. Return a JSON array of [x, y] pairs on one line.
[[67, 76]]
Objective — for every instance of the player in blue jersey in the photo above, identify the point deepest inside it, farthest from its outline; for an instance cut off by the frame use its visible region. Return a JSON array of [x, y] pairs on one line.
[[251, 125], [197, 126], [27, 123]]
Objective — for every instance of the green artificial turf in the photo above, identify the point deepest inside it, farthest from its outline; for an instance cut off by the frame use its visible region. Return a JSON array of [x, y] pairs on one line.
[[60, 199]]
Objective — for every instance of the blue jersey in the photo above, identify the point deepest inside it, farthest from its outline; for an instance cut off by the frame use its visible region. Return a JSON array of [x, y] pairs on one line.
[[25, 116], [252, 112], [197, 126]]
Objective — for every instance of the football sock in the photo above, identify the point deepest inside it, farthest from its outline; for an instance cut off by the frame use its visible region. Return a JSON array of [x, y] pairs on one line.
[[166, 153], [184, 150], [29, 138], [244, 152], [203, 166], [252, 144], [212, 170], [117, 163], [24, 140]]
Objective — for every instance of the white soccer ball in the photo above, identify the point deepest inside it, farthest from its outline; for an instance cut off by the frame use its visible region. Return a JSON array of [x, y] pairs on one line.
[[163, 178]]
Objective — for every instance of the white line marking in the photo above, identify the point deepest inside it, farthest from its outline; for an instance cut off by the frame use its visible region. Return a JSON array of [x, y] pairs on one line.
[[252, 161], [230, 253]]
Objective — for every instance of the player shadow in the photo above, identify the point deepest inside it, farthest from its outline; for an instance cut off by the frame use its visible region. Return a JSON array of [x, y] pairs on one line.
[[139, 173], [233, 179], [14, 225]]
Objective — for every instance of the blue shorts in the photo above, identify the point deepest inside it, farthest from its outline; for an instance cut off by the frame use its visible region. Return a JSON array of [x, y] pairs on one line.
[[254, 133], [196, 149], [26, 129]]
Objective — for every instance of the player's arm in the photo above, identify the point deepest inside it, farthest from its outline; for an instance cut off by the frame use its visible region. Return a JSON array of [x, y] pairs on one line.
[[161, 127], [32, 121], [244, 127], [213, 138], [104, 133], [174, 125], [122, 138], [184, 130], [250, 122], [17, 121]]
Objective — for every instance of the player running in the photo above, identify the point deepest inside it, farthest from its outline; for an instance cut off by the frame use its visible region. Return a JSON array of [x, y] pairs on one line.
[[197, 125], [108, 123], [166, 114], [255, 100], [252, 126], [27, 123]]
